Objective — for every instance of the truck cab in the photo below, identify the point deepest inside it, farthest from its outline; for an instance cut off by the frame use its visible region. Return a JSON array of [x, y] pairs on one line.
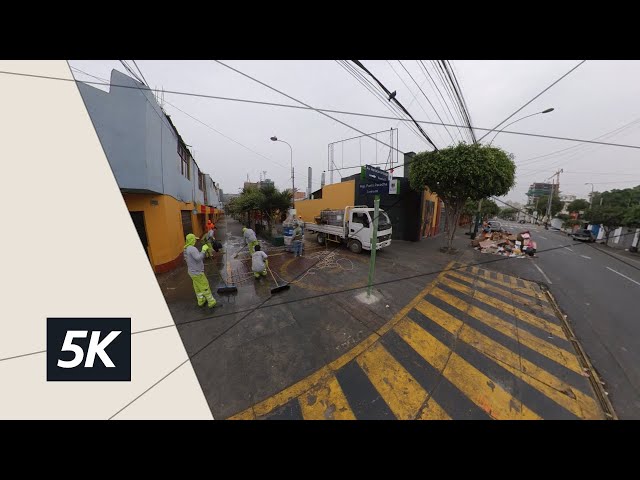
[[360, 229], [353, 226]]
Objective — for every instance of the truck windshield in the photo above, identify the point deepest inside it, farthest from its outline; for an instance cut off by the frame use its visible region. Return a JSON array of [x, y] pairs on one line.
[[383, 221]]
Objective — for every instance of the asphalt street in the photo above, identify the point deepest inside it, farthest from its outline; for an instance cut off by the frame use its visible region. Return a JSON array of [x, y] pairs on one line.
[[598, 288]]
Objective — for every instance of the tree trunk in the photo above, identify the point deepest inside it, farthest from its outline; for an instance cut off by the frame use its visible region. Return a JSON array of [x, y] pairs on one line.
[[452, 218]]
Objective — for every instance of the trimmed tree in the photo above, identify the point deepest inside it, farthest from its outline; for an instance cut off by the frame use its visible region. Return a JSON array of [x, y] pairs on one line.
[[543, 203], [462, 172], [578, 205]]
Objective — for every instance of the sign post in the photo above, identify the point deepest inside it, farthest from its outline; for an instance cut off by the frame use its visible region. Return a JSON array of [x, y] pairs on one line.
[[374, 242]]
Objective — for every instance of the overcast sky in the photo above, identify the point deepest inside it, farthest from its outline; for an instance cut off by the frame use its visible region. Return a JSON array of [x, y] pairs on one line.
[[597, 98]]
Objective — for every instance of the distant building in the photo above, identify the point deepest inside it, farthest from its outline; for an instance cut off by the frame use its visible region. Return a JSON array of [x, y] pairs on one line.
[[164, 189], [566, 199], [538, 190]]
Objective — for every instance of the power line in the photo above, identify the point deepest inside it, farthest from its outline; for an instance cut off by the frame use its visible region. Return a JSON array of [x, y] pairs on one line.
[[423, 94], [362, 79], [563, 76], [141, 74], [461, 98], [443, 103], [301, 102], [447, 88], [325, 110], [393, 97]]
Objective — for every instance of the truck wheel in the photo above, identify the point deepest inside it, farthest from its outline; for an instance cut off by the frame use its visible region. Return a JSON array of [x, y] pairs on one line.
[[320, 239], [355, 246]]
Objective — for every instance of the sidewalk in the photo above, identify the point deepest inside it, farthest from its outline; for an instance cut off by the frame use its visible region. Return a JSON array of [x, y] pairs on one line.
[[296, 332]]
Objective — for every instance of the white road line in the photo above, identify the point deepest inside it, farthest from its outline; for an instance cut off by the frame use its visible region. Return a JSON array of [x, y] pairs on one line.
[[622, 275], [584, 256], [569, 249], [545, 238], [544, 274]]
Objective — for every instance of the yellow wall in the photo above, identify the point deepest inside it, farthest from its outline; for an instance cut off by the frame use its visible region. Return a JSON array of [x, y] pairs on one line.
[[337, 195], [163, 223]]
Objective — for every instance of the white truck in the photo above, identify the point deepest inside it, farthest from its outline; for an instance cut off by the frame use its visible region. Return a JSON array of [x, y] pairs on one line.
[[353, 226]]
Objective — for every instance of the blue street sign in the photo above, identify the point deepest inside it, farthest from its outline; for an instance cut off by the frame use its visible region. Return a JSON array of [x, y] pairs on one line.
[[374, 188], [373, 174]]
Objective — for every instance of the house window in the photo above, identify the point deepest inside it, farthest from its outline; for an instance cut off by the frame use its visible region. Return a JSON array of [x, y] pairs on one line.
[[185, 161], [201, 181]]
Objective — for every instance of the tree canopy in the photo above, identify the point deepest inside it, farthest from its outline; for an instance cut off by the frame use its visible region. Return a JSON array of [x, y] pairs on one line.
[[543, 203], [578, 205], [460, 173]]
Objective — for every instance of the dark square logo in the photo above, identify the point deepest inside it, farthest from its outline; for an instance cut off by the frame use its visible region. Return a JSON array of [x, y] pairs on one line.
[[88, 349]]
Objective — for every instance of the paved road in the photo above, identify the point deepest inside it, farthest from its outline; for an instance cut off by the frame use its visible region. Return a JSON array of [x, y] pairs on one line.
[[601, 297]]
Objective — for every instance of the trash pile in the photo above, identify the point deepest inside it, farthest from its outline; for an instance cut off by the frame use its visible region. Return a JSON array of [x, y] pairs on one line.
[[505, 243]]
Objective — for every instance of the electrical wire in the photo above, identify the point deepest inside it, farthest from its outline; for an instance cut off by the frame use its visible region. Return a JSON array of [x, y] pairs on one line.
[[538, 95], [324, 110], [416, 99]]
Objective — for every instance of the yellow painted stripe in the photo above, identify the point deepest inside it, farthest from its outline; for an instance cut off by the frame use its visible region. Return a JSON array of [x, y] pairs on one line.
[[583, 406], [401, 392], [326, 401], [530, 289], [306, 384], [479, 388], [492, 288], [433, 411], [527, 317], [244, 415], [547, 349]]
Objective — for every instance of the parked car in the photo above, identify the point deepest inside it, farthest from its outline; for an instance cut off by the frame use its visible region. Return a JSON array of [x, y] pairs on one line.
[[494, 226], [583, 235]]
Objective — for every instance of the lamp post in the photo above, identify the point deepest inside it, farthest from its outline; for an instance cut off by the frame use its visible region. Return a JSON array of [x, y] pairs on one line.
[[521, 118], [293, 185], [591, 197]]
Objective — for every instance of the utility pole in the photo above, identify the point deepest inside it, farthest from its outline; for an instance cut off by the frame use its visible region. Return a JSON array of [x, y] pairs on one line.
[[557, 175]]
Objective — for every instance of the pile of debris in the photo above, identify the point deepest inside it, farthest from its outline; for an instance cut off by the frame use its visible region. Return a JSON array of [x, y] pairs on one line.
[[505, 243]]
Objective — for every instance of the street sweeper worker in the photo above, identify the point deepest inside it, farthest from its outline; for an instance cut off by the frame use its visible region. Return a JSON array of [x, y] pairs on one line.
[[297, 240], [195, 268], [250, 239], [259, 262], [210, 225], [211, 241]]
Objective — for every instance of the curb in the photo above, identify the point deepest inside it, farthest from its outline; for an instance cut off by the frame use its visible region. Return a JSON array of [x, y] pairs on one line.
[[594, 378]]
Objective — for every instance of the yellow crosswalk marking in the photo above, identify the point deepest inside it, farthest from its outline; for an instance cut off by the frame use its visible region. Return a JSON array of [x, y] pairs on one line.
[[401, 392], [505, 292], [529, 288], [547, 349], [541, 323], [571, 399], [326, 401], [479, 388]]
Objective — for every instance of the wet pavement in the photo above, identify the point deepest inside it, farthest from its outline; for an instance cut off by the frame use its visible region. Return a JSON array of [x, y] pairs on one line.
[[242, 356]]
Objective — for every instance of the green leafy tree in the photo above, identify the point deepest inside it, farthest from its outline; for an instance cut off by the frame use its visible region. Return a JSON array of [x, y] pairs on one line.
[[268, 200], [578, 205], [462, 172], [543, 203], [632, 217], [509, 213]]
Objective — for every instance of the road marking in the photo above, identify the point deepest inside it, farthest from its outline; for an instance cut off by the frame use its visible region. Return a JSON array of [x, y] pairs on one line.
[[479, 388], [392, 378], [545, 238], [549, 350], [623, 275], [326, 401], [584, 256], [400, 391], [569, 249], [551, 386], [537, 322], [543, 274]]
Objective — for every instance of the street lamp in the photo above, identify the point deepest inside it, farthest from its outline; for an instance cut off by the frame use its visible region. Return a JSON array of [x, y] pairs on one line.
[[521, 118], [591, 197], [293, 185]]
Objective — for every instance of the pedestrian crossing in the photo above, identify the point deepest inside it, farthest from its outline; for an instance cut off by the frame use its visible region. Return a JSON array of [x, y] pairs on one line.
[[474, 344]]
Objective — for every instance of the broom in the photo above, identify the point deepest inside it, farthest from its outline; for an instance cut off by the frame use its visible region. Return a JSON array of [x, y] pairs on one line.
[[278, 288]]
